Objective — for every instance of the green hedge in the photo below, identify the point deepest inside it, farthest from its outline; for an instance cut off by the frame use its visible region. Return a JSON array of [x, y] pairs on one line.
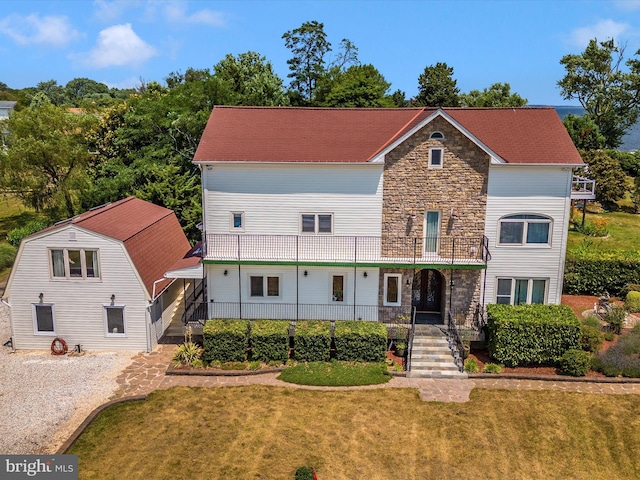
[[225, 340], [575, 363], [269, 340], [593, 273], [531, 334], [312, 341], [360, 341], [632, 302]]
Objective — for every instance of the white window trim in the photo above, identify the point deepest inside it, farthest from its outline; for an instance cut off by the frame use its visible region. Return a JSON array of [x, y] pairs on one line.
[[106, 325], [316, 224], [35, 319], [529, 289], [384, 298], [83, 264], [264, 297], [431, 165], [232, 228], [526, 221], [344, 287]]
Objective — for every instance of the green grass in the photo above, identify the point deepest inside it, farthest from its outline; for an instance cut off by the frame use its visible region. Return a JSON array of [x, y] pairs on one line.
[[336, 373], [624, 232], [260, 432]]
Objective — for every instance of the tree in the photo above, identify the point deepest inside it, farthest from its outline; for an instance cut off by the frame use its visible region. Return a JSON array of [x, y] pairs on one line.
[[251, 80], [56, 93], [609, 177], [437, 87], [584, 132], [610, 95], [309, 45], [80, 88], [358, 86], [399, 99], [46, 156], [497, 95]]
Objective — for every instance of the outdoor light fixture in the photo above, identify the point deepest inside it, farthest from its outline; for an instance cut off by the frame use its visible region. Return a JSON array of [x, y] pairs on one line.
[[408, 282], [226, 272], [306, 273], [413, 213], [113, 298], [41, 296], [452, 283], [454, 212], [365, 275]]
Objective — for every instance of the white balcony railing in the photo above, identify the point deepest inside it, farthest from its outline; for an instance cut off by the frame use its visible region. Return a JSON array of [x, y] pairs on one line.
[[583, 188], [346, 249]]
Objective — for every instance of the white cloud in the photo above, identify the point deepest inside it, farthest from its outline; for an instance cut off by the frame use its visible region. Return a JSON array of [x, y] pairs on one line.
[[176, 12], [33, 30], [117, 46], [628, 5], [110, 10], [603, 30]]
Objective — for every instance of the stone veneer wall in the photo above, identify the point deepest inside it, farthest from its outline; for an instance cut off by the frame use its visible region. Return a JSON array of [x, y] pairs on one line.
[[461, 184]]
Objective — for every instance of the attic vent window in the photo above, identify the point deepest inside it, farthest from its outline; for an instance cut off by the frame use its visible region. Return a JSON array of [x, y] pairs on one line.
[[437, 136], [72, 236]]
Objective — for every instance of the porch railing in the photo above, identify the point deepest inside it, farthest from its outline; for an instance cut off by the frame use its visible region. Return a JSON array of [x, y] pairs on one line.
[[346, 249], [391, 316], [583, 188]]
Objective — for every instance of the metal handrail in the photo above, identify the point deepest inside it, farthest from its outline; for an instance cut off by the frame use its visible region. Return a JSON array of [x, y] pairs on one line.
[[411, 335]]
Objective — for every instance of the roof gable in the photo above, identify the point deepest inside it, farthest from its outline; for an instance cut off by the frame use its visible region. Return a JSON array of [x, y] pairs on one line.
[[151, 234], [357, 135]]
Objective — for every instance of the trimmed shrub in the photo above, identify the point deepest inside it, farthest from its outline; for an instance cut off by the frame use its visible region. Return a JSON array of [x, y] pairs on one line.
[[269, 340], [575, 363], [360, 341], [470, 365], [632, 301], [531, 334], [304, 473], [596, 272], [225, 340], [312, 341], [629, 287], [15, 236], [591, 339], [492, 368]]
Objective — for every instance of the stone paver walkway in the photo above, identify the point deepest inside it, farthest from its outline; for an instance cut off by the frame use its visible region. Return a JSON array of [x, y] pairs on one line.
[[147, 373]]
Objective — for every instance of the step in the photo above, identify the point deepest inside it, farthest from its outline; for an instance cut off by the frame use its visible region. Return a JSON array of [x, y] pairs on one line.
[[436, 374], [436, 357], [430, 365]]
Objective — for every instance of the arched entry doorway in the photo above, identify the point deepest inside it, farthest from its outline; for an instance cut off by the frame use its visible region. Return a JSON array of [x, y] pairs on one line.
[[428, 295]]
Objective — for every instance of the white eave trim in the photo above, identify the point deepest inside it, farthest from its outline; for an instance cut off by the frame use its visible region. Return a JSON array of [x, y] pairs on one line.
[[196, 271], [564, 165], [495, 158]]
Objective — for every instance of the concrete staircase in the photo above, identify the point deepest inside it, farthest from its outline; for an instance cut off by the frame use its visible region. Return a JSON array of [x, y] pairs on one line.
[[431, 356]]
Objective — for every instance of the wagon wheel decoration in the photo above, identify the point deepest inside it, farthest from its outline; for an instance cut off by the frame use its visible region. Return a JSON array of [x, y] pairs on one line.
[[58, 346]]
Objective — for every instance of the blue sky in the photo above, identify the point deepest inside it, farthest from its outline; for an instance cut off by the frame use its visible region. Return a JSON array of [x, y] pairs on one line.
[[120, 42]]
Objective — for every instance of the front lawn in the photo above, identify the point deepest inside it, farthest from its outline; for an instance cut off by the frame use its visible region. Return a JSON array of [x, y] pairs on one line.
[[336, 373], [259, 432], [624, 232]]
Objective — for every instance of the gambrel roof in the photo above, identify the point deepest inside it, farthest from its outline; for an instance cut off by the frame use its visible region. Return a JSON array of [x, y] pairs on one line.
[[528, 135], [151, 235]]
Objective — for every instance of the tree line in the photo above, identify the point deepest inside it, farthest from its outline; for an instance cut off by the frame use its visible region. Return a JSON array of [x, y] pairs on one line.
[[141, 141]]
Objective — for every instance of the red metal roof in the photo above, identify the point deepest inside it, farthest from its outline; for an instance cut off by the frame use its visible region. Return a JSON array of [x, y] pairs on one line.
[[355, 135], [151, 234]]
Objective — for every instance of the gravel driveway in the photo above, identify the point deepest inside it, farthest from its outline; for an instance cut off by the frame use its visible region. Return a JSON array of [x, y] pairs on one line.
[[43, 398]]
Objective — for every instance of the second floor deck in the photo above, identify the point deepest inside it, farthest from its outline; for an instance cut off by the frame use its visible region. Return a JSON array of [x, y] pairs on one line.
[[381, 251]]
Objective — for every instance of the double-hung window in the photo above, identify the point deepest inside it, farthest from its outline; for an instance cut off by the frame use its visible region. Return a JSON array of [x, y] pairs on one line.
[[74, 263], [316, 223], [114, 321], [517, 291], [436, 156], [236, 221], [43, 319], [525, 229], [264, 286], [392, 289]]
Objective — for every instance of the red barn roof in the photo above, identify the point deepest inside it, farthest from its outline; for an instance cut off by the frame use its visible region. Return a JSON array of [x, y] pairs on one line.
[[151, 234], [356, 135]]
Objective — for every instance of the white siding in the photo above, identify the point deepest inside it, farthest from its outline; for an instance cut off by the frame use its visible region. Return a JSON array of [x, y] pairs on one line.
[[538, 190], [314, 289], [79, 303], [272, 197]]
